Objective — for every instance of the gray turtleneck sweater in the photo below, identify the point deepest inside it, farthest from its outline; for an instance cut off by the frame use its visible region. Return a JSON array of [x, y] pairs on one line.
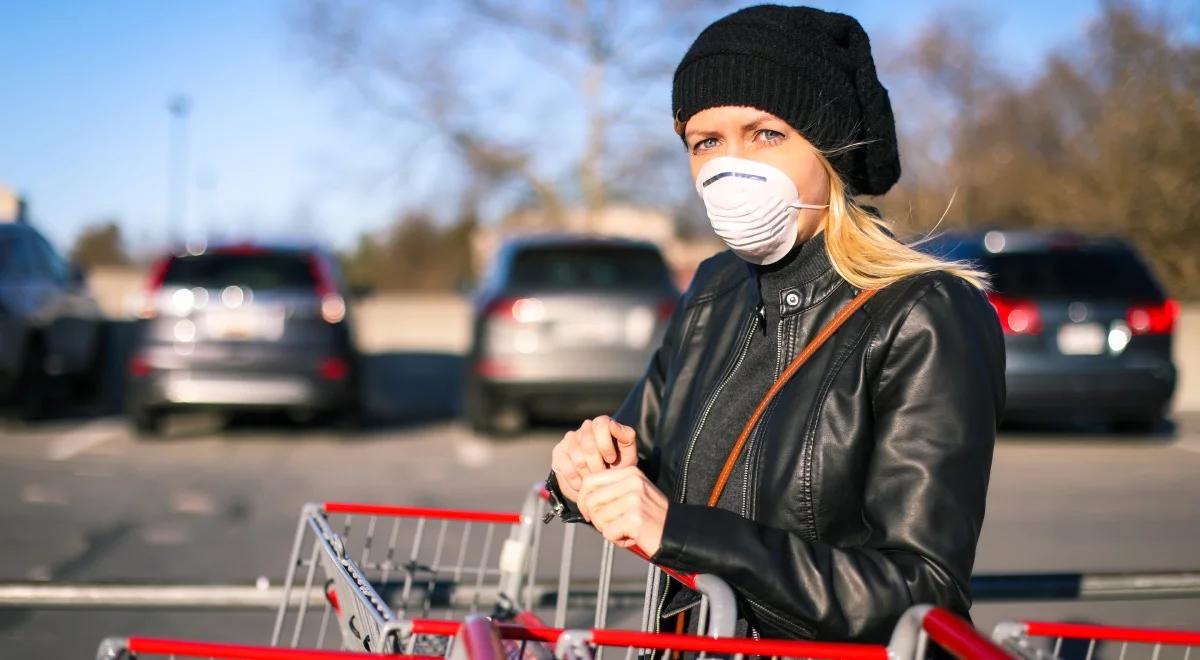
[[761, 364]]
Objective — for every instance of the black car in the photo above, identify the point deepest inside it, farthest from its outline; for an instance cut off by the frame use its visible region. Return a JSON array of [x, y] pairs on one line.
[[242, 327], [563, 326], [1088, 328], [51, 329]]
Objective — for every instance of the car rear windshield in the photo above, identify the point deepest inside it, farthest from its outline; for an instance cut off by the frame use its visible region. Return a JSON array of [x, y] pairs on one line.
[[259, 271], [588, 268], [1097, 274]]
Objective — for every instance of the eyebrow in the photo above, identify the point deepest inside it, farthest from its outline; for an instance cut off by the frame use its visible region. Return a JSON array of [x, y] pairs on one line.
[[692, 135]]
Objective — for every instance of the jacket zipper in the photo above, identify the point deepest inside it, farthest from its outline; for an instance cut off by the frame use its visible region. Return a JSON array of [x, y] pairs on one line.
[[687, 460], [761, 422]]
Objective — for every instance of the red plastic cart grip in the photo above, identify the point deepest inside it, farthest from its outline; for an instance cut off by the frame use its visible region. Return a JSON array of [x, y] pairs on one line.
[[194, 649], [422, 512], [763, 647], [665, 641], [1113, 633], [959, 638]]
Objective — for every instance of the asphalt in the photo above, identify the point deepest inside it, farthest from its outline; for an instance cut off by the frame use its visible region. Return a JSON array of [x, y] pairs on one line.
[[82, 500]]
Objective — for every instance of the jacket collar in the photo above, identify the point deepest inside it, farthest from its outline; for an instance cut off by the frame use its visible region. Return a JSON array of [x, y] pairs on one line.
[[796, 282]]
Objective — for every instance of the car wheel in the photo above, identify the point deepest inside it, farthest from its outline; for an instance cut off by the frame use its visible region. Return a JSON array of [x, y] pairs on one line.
[[489, 414], [146, 422], [1147, 425]]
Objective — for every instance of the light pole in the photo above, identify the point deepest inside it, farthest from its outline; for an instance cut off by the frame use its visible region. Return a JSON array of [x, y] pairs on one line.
[[179, 106]]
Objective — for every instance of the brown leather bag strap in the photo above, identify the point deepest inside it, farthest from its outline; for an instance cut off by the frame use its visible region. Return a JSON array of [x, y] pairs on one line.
[[825, 333]]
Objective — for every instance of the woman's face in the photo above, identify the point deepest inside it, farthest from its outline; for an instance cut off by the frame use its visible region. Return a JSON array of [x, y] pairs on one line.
[[746, 132]]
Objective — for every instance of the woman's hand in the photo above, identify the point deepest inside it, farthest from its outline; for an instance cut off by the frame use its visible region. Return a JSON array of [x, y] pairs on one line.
[[624, 506], [598, 444]]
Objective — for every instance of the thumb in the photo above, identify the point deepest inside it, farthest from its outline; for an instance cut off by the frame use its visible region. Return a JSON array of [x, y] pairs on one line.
[[626, 442]]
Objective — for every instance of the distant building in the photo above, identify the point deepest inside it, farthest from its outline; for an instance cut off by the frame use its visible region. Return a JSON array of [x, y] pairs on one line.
[[12, 206]]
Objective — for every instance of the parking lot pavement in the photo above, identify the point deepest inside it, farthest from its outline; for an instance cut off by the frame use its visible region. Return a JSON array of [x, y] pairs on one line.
[[84, 501]]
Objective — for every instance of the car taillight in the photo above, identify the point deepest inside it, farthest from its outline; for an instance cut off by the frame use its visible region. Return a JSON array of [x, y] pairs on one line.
[[666, 307], [1153, 318], [333, 368], [139, 366], [333, 306], [492, 368], [1017, 317], [154, 283], [521, 310]]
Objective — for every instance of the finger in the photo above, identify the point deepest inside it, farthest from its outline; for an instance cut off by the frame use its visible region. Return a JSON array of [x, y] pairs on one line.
[[619, 532], [568, 478], [587, 446], [604, 494], [603, 439], [612, 476], [626, 438], [609, 512]]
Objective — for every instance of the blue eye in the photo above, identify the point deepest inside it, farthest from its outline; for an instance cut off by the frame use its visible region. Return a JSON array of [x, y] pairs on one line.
[[770, 135], [706, 143]]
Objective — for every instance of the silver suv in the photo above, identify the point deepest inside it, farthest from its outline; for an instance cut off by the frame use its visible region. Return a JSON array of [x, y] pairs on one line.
[[564, 325], [243, 327]]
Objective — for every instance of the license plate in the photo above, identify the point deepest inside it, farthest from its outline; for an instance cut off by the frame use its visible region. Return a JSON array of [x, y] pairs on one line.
[[596, 329], [1081, 339], [245, 325]]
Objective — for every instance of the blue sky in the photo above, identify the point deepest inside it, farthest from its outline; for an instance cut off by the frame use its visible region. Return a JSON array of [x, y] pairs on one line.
[[274, 150]]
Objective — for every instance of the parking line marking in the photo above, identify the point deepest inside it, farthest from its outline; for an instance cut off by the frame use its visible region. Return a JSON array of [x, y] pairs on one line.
[[81, 439]]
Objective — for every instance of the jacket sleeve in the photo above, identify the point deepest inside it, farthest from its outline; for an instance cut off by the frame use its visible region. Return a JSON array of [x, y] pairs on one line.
[[936, 402]]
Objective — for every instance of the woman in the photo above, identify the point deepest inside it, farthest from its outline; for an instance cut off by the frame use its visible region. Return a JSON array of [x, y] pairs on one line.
[[860, 489]]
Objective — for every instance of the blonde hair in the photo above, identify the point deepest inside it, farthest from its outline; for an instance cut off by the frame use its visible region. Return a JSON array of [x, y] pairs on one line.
[[864, 251]]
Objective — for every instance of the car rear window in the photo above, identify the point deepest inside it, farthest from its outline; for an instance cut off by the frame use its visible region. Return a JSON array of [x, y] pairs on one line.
[[259, 271], [1097, 274], [588, 268]]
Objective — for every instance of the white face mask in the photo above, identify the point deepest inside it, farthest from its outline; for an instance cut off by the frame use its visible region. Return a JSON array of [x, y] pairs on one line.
[[752, 206]]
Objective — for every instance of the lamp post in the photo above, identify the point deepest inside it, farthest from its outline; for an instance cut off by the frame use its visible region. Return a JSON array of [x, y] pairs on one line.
[[179, 107]]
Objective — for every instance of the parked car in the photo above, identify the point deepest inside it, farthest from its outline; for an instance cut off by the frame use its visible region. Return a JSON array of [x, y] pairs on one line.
[[51, 329], [564, 325], [1087, 326], [242, 327]]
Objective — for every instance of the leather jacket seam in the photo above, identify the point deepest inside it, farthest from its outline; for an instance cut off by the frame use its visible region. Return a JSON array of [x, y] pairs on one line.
[[877, 383], [704, 296], [810, 436]]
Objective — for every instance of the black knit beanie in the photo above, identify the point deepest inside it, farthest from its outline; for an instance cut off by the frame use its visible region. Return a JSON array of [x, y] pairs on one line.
[[811, 68]]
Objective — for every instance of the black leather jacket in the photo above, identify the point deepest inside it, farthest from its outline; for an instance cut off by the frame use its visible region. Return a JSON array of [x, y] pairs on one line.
[[866, 479]]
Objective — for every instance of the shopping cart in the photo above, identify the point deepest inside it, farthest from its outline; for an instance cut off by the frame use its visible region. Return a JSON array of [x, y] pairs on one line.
[[446, 564], [144, 648], [920, 630], [402, 580], [1045, 640], [485, 638]]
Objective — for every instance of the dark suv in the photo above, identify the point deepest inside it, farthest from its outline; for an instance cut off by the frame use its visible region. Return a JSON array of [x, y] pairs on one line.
[[1087, 327], [51, 329], [564, 325], [243, 327]]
